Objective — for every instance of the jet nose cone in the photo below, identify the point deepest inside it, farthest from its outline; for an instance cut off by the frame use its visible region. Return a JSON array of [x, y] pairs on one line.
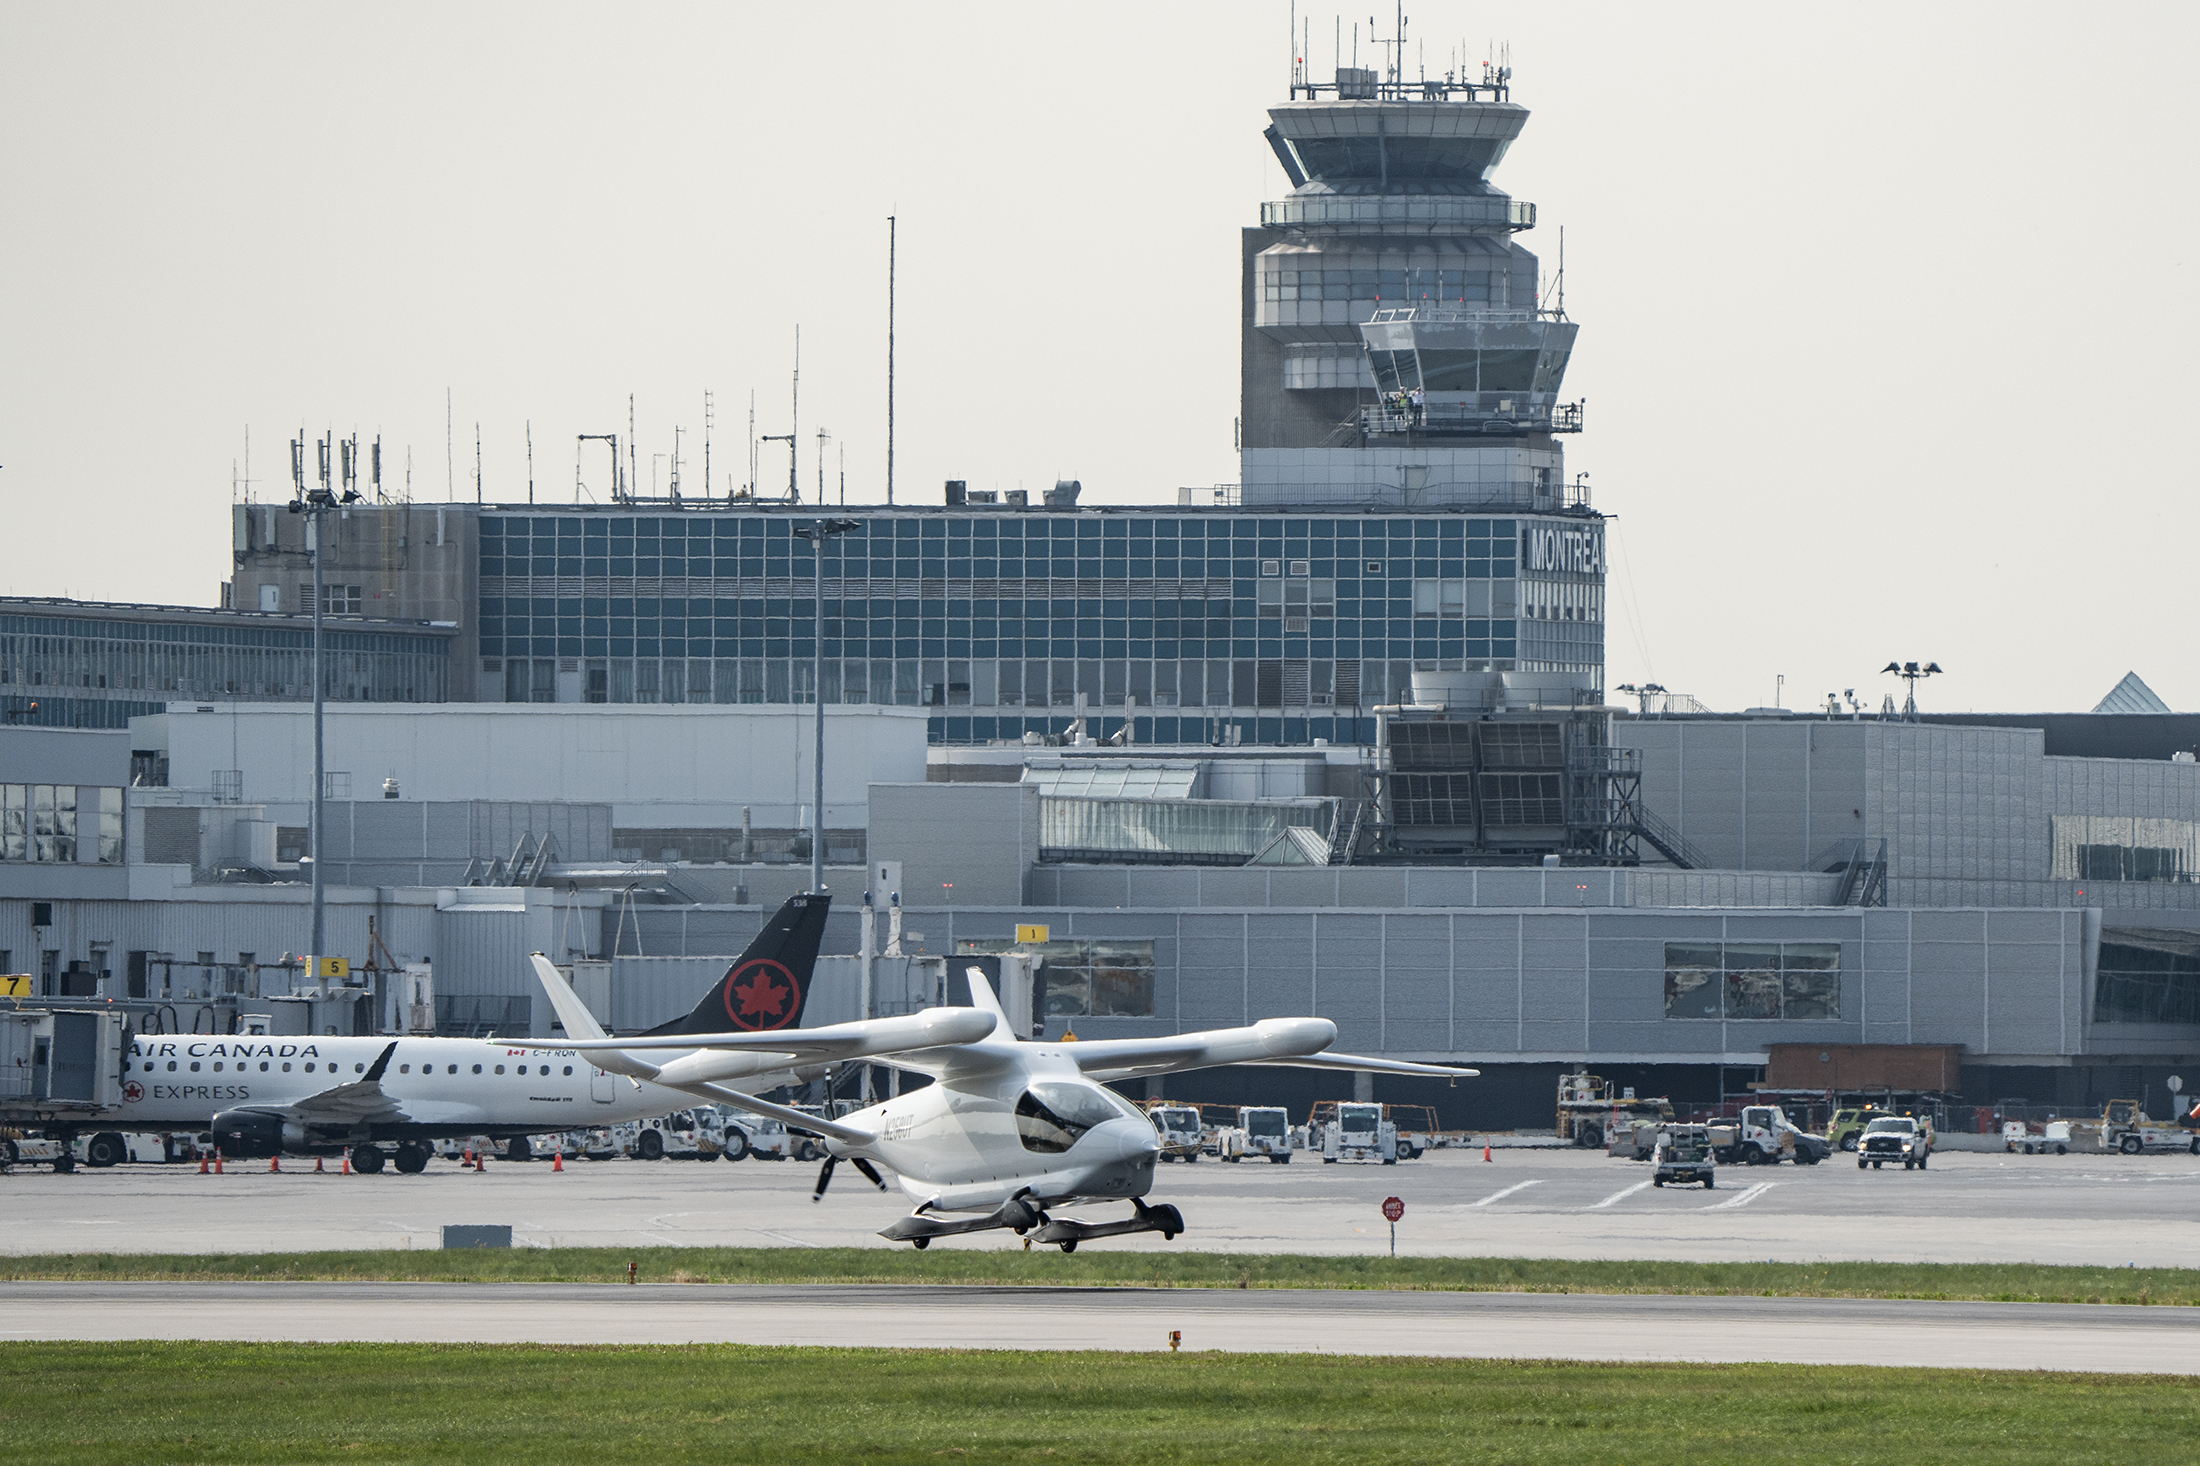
[[1124, 1140]]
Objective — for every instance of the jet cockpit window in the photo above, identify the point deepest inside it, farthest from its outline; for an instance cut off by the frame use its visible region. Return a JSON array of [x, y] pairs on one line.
[[1050, 1118]]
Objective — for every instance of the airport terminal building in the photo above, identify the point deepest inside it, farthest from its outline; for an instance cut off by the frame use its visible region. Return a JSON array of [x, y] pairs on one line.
[[1332, 740]]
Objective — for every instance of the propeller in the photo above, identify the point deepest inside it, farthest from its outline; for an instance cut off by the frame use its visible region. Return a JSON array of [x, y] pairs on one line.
[[825, 1175]]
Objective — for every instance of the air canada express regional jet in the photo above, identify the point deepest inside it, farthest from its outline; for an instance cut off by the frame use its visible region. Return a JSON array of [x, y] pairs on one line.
[[264, 1096]]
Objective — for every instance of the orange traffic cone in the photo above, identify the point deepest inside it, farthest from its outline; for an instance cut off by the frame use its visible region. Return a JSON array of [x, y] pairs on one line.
[[1485, 1152], [318, 1168], [202, 1163], [347, 1163], [481, 1162], [274, 1163], [217, 1163], [557, 1160]]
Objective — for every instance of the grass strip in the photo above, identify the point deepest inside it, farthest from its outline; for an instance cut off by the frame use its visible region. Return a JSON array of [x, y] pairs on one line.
[[135, 1402], [1971, 1282]]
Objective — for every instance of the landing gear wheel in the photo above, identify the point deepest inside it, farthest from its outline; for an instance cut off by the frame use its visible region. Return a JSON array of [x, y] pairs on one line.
[[650, 1146], [412, 1159], [517, 1149], [65, 1165], [1171, 1220], [367, 1159], [103, 1150], [1070, 1245], [736, 1145], [920, 1243]]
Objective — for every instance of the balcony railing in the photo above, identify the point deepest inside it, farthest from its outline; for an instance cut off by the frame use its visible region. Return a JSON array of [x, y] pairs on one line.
[[1488, 417], [1440, 313], [1407, 210]]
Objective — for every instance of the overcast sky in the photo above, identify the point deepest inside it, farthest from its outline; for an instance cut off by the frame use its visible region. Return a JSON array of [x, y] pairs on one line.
[[1882, 306]]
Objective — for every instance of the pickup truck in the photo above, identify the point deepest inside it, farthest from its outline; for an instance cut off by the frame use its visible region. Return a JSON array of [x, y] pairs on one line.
[[1895, 1138], [1763, 1135]]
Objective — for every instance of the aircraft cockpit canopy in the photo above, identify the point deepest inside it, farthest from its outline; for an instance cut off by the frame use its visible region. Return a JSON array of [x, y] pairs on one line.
[[1052, 1116]]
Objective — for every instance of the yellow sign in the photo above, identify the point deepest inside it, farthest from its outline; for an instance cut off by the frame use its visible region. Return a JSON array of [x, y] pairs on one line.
[[331, 967], [1028, 936], [15, 984]]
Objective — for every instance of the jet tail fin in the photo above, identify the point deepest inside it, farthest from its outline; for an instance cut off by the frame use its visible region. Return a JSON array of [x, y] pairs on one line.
[[768, 986]]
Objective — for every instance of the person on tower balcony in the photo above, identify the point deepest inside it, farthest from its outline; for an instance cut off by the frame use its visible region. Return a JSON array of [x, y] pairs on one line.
[[1420, 400]]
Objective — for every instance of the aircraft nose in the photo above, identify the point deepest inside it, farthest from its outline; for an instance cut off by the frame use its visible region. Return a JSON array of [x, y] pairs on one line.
[[1124, 1140]]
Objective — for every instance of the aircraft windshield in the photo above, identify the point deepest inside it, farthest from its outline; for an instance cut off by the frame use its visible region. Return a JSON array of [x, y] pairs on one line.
[[1050, 1118], [1264, 1124]]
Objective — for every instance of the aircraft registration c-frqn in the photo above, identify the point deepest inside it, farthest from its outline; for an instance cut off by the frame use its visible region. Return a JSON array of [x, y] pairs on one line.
[[1007, 1130]]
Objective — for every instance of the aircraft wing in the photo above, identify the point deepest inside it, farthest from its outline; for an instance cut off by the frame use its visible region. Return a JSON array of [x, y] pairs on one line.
[[683, 1060], [1289, 1042], [361, 1102]]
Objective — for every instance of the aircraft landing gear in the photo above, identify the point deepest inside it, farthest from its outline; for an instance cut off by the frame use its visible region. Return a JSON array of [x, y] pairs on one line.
[[1067, 1232], [367, 1159], [412, 1158]]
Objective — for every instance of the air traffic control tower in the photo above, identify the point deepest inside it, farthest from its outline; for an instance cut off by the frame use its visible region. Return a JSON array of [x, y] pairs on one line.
[[1394, 266]]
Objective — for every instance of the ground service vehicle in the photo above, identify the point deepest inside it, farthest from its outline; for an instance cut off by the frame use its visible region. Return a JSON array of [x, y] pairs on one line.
[[1360, 1133], [1683, 1155], [686, 1135], [1179, 1129], [745, 1135], [1588, 1109], [591, 1145], [2053, 1139], [1762, 1135], [1847, 1126], [1895, 1138], [28, 1152], [1261, 1130], [1415, 1124], [2128, 1129]]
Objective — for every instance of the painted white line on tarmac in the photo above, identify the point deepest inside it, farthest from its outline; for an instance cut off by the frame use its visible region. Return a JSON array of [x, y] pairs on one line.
[[1745, 1198], [1501, 1195], [1618, 1196]]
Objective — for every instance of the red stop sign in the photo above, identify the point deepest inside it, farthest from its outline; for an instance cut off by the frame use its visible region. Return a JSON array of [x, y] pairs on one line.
[[1393, 1208]]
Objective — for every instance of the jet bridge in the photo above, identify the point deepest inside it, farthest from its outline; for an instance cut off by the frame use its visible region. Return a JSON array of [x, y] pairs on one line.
[[55, 1063]]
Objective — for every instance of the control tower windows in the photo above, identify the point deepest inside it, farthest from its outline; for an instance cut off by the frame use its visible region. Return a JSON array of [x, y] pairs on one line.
[[1477, 371], [1391, 287], [1454, 159]]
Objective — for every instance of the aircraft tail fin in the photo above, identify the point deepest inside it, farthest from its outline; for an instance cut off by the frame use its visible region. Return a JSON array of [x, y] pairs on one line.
[[572, 1013], [768, 986], [983, 997]]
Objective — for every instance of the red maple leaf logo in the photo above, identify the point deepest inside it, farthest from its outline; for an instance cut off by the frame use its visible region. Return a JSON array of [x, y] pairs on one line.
[[133, 1091], [765, 992]]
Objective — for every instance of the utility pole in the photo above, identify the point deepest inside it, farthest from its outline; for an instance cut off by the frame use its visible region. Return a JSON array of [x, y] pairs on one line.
[[314, 504], [890, 242], [819, 533]]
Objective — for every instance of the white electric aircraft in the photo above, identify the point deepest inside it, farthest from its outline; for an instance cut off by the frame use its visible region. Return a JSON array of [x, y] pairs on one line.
[[1009, 1128]]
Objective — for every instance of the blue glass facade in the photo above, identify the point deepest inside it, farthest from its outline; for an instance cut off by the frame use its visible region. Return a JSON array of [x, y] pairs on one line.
[[1292, 625], [87, 664]]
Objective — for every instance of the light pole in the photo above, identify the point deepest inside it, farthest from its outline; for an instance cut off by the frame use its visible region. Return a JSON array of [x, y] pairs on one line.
[[820, 532], [1911, 674], [313, 504]]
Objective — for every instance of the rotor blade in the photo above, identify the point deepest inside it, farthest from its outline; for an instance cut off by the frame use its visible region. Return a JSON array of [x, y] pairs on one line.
[[870, 1171], [824, 1177]]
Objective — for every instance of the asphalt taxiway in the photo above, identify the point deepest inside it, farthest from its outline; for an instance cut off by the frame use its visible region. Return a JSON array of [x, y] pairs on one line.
[[2105, 1338], [2097, 1210]]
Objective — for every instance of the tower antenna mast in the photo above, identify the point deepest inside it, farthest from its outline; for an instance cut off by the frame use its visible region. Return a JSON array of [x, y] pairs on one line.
[[891, 228]]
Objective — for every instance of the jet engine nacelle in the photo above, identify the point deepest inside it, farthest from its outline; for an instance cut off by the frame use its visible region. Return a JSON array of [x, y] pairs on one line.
[[255, 1133]]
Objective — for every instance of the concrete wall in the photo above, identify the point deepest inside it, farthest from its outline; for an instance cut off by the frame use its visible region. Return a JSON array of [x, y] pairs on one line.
[[957, 842], [1106, 886]]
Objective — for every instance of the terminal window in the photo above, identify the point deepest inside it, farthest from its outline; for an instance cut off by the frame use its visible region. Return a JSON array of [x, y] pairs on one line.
[[2148, 977], [1794, 982], [1078, 979]]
